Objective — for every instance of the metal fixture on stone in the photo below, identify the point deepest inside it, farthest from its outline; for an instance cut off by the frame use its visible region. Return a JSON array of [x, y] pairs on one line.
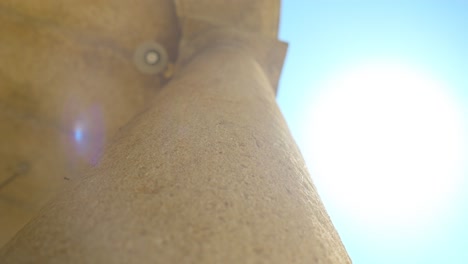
[[150, 58]]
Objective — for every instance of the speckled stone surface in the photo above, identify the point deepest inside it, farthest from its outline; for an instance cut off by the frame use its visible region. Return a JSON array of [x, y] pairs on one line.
[[208, 173], [67, 66]]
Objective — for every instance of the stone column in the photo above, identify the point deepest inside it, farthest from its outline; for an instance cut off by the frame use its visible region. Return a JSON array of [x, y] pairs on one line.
[[68, 83], [208, 174]]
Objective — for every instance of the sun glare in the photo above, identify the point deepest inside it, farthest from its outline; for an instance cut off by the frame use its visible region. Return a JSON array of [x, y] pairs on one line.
[[386, 145]]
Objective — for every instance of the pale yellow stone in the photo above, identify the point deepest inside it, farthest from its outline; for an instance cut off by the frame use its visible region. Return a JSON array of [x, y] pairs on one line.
[[204, 171]]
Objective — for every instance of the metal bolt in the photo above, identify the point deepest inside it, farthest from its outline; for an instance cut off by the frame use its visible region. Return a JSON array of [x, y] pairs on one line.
[[151, 58]]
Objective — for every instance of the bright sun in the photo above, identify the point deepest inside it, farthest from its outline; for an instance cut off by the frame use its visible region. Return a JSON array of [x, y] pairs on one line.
[[386, 145]]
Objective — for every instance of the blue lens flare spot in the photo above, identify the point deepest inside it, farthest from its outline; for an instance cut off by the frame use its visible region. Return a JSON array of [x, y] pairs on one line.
[[78, 134]]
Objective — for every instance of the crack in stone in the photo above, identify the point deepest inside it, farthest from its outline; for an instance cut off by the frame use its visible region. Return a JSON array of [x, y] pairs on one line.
[[21, 169]]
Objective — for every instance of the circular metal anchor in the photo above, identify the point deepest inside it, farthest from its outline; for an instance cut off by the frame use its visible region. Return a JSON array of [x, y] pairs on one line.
[[150, 58]]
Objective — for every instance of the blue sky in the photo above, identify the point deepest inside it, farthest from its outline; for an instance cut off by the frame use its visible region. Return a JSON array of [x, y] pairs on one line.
[[329, 39]]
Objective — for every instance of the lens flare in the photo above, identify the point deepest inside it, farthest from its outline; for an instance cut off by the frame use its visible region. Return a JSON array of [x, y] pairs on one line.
[[387, 146], [78, 134], [89, 134]]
